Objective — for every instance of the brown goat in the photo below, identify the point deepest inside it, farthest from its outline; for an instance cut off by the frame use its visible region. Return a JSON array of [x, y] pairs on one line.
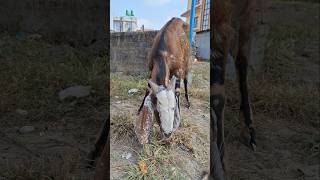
[[170, 56], [232, 24]]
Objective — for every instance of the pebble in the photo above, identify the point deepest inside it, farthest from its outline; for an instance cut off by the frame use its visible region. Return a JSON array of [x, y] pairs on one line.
[[26, 129], [22, 112], [133, 91], [126, 155], [75, 91]]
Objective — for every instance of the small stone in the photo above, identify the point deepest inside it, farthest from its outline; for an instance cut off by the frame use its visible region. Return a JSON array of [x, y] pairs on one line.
[[21, 36], [22, 112], [133, 91], [34, 36], [116, 97], [127, 155], [26, 129], [118, 102], [75, 91]]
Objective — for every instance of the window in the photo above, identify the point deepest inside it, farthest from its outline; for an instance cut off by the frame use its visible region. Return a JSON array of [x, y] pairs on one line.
[[117, 26], [129, 26], [197, 2], [205, 24], [196, 22]]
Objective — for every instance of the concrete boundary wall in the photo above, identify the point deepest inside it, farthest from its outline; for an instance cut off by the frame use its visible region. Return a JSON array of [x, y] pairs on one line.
[[129, 51]]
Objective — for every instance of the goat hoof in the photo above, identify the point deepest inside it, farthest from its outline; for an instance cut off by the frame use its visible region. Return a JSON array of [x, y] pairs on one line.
[[247, 137], [253, 147], [188, 105], [90, 160]]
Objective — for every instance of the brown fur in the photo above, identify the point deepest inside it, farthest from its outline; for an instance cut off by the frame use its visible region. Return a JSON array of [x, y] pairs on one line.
[[176, 52], [170, 55]]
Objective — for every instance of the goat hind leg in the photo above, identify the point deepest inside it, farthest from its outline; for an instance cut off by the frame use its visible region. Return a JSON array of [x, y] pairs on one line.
[[185, 82], [177, 92]]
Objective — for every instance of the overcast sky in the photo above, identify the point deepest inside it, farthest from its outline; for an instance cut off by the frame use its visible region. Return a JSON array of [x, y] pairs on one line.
[[152, 13]]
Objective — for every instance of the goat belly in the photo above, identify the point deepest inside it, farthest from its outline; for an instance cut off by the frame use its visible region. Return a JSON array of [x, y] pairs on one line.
[[144, 123]]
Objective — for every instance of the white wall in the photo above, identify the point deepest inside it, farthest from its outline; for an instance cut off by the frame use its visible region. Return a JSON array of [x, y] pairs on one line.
[[202, 41]]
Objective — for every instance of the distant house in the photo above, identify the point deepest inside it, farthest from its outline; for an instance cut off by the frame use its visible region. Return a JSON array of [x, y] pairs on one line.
[[127, 23], [201, 17], [201, 26]]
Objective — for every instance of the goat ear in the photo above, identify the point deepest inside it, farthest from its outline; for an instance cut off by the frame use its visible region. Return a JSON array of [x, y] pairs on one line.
[[172, 83], [154, 86]]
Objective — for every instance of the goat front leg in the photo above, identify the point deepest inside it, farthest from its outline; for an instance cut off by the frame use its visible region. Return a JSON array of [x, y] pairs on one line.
[[216, 167], [247, 134], [102, 171], [217, 104], [99, 145]]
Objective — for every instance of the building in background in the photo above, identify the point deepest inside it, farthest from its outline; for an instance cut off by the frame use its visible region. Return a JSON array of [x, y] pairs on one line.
[[127, 23], [201, 15], [201, 27]]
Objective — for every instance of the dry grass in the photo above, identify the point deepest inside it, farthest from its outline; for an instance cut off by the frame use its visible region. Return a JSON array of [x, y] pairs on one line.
[[47, 167], [161, 163], [31, 75], [280, 91], [161, 157], [122, 126], [121, 84]]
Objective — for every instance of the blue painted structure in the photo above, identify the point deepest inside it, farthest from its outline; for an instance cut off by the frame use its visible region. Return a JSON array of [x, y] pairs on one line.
[[192, 9]]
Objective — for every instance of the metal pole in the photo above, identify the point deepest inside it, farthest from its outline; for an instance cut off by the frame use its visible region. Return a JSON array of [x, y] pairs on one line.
[[193, 4]]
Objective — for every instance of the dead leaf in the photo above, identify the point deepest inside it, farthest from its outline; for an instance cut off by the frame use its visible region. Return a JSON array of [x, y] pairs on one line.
[[143, 167]]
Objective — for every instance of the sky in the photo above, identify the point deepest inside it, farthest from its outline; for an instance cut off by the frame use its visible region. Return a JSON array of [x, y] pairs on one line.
[[152, 13]]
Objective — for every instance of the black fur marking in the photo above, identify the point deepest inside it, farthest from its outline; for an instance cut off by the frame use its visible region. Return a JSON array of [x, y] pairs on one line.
[[245, 104], [162, 71]]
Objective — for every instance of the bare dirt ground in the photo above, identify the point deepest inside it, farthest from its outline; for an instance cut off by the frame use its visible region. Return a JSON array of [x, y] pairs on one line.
[[184, 156]]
